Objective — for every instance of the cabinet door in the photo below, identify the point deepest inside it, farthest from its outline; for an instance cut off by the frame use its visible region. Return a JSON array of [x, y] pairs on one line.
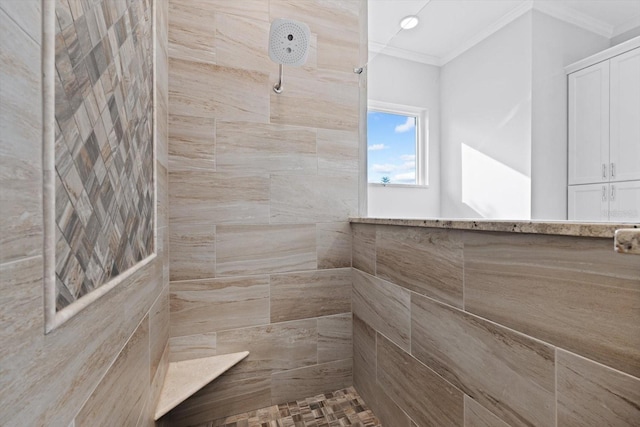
[[589, 202], [624, 203], [589, 125], [625, 116]]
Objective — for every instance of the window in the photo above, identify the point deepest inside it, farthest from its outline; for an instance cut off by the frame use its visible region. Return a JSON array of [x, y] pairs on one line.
[[395, 145]]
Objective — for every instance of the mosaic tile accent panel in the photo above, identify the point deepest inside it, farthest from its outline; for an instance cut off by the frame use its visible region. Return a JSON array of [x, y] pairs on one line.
[[341, 408], [104, 142]]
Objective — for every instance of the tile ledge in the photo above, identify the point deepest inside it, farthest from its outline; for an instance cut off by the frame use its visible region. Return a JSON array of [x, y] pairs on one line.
[[561, 228], [186, 377]]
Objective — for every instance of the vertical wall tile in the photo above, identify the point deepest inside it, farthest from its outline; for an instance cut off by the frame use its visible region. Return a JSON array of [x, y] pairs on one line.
[[272, 348], [335, 338], [310, 294], [479, 357], [384, 306], [333, 244], [426, 261], [364, 247], [247, 52], [203, 306], [158, 330], [192, 346], [191, 31], [419, 391], [192, 143], [338, 152], [256, 249], [576, 293], [592, 394], [193, 251], [323, 378]]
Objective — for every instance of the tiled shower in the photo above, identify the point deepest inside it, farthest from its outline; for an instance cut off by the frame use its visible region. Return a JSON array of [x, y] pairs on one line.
[[224, 210]]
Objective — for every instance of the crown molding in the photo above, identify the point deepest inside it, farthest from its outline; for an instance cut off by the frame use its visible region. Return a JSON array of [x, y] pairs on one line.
[[376, 48], [572, 16], [629, 25]]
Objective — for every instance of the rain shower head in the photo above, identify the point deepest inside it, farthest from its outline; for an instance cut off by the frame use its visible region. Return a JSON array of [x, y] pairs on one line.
[[289, 42]]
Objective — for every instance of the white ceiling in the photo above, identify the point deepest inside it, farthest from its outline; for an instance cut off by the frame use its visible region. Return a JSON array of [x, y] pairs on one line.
[[449, 27]]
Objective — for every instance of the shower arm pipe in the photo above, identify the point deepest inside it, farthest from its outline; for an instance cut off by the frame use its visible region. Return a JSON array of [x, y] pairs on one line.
[[277, 88]]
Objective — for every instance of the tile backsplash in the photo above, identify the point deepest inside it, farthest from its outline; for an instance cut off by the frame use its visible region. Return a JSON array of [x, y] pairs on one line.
[[104, 146]]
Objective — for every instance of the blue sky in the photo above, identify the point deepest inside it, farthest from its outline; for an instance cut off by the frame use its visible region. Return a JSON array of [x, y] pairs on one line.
[[391, 147]]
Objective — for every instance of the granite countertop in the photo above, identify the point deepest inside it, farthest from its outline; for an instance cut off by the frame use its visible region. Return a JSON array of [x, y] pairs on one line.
[[628, 241]]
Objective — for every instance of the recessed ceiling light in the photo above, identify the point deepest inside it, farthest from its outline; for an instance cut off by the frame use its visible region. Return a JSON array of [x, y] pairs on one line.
[[409, 22]]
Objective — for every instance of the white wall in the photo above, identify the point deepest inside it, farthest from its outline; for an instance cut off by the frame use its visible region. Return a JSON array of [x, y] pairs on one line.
[[627, 35], [404, 82], [555, 44], [486, 127]]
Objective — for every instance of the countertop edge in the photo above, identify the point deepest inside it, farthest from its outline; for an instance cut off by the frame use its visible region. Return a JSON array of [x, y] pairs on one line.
[[577, 229]]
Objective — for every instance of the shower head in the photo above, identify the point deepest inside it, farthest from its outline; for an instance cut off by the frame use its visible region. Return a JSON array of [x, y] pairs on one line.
[[289, 42]]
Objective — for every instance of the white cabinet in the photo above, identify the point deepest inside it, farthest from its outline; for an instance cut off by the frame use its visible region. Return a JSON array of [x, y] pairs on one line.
[[589, 124], [624, 147], [616, 202]]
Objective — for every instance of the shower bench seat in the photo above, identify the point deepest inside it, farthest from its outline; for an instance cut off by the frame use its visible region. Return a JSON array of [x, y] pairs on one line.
[[186, 377]]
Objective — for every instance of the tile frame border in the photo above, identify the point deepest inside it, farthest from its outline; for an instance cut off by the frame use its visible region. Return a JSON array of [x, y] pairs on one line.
[[54, 318]]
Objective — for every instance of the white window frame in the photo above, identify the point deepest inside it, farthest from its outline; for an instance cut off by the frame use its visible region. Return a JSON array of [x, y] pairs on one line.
[[422, 140]]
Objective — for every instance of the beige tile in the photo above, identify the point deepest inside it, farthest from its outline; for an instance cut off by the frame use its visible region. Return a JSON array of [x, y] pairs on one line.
[[158, 330], [320, 99], [266, 148], [211, 305], [337, 152], [197, 89], [222, 398], [304, 382], [192, 143], [192, 29], [254, 9], [333, 241], [364, 376], [480, 357], [20, 136], [310, 294], [192, 346], [592, 394], [27, 14], [384, 306], [335, 338], [148, 414], [272, 348], [257, 249], [426, 261], [423, 395], [193, 251], [475, 415], [325, 17], [576, 293], [364, 247], [250, 51], [119, 397], [162, 195], [200, 197], [313, 198]]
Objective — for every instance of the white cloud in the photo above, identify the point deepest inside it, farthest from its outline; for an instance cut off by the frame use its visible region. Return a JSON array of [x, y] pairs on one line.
[[383, 168], [408, 165], [376, 147], [405, 178], [406, 126], [408, 157]]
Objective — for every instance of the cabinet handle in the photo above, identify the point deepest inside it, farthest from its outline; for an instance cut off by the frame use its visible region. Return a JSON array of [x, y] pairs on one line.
[[613, 170], [604, 193], [613, 192], [604, 171]]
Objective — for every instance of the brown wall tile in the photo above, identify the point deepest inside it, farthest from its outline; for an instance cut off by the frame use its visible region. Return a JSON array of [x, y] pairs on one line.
[[333, 241], [193, 251], [364, 247], [592, 394], [204, 306], [384, 306], [476, 415], [192, 346], [257, 249], [420, 392], [480, 357], [310, 381], [576, 293], [335, 338], [272, 348], [310, 294], [192, 143], [426, 261], [158, 330]]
